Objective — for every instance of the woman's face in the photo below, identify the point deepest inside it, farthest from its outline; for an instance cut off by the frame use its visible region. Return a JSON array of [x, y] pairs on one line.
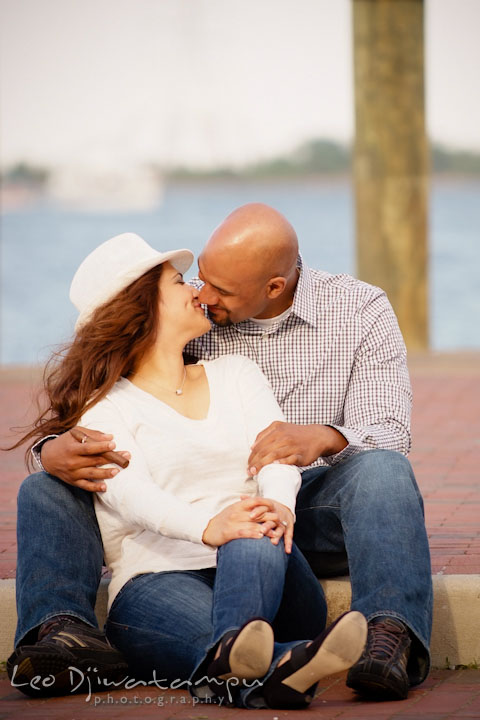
[[179, 307]]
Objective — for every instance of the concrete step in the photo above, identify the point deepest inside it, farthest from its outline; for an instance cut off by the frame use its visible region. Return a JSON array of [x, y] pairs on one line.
[[456, 617]]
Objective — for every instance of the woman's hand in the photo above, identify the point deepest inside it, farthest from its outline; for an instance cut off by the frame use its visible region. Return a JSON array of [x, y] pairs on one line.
[[77, 463], [251, 517], [281, 521]]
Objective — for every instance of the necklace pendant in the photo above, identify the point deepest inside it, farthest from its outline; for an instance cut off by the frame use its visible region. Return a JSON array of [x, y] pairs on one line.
[[179, 391]]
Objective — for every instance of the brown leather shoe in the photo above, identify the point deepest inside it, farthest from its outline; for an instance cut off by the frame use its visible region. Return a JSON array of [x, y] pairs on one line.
[[381, 672], [69, 656]]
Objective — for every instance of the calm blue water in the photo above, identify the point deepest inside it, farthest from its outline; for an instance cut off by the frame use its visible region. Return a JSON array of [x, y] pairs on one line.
[[42, 247]]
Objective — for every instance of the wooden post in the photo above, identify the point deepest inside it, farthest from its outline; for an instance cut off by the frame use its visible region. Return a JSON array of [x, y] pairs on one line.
[[391, 158]]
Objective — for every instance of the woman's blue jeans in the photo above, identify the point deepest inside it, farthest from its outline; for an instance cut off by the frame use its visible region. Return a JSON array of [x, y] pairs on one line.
[[167, 622], [368, 506]]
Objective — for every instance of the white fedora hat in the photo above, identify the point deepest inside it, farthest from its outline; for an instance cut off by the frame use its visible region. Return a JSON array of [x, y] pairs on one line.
[[114, 265]]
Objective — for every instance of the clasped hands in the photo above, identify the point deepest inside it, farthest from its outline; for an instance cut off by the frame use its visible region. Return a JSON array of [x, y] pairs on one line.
[[251, 517]]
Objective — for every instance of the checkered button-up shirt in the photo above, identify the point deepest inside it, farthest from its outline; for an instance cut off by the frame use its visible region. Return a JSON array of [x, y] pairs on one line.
[[338, 359]]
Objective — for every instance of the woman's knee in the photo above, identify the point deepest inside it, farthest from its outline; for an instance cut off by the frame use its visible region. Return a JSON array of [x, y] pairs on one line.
[[254, 551]]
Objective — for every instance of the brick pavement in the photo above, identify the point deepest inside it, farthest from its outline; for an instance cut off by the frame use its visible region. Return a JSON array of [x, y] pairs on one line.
[[445, 456], [445, 695], [446, 459]]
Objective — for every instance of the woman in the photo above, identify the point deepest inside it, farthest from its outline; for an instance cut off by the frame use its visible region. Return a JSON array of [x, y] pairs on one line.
[[207, 588]]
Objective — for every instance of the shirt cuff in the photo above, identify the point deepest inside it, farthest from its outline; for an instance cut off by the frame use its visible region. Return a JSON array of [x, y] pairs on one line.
[[280, 483], [355, 445], [37, 449]]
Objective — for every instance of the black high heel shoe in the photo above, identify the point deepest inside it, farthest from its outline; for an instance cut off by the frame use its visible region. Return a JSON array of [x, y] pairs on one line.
[[245, 654], [292, 684]]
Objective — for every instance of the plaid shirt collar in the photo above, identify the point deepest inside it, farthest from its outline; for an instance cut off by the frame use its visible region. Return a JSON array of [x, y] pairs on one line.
[[305, 299]]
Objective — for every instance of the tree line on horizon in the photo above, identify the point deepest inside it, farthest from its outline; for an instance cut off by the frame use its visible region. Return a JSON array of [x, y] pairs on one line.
[[327, 157], [316, 157]]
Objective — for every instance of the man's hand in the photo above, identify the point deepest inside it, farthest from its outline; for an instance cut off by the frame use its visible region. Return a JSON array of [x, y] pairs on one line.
[[77, 463], [250, 517], [293, 445]]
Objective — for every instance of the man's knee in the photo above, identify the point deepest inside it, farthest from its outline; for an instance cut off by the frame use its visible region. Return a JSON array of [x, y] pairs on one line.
[[383, 460], [33, 487], [44, 493], [384, 472]]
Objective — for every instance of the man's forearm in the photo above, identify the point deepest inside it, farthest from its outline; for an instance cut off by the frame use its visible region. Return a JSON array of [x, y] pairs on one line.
[[332, 441]]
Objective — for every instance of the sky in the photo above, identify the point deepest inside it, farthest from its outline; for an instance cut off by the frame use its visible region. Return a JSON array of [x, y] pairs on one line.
[[203, 82]]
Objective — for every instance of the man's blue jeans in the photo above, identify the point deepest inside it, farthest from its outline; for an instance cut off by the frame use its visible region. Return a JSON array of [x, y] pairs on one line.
[[168, 622], [370, 508], [368, 505]]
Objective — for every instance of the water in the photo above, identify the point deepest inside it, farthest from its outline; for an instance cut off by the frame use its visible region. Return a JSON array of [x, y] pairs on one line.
[[42, 246]]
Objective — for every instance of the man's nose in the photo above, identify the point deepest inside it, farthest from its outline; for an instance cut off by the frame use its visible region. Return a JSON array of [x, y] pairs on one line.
[[206, 296]]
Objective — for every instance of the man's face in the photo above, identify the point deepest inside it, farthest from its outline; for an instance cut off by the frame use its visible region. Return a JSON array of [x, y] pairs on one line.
[[230, 293]]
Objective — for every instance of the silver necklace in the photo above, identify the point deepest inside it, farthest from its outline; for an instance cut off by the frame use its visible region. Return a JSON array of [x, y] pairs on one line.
[[178, 391]]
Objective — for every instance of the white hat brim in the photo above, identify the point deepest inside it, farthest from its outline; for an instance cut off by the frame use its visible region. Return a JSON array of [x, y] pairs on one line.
[[180, 259]]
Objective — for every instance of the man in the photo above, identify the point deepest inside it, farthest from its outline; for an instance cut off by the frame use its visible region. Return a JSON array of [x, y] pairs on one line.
[[333, 352]]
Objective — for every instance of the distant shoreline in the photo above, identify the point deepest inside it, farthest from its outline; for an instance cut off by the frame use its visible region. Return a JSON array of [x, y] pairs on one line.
[[318, 178], [19, 196]]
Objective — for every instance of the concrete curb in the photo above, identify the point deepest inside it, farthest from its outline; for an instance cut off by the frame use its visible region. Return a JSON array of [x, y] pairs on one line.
[[456, 617]]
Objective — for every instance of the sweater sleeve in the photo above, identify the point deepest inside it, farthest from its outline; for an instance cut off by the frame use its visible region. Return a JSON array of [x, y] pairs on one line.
[[133, 493], [276, 481]]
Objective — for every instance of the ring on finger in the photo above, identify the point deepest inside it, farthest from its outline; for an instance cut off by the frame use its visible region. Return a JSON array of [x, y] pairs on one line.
[[284, 523], [84, 439]]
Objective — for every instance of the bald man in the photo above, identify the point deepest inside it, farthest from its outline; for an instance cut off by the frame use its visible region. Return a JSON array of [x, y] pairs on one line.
[[332, 350]]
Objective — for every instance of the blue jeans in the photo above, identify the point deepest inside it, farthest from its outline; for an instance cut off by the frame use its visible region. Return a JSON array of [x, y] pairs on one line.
[[166, 623], [60, 554], [368, 506], [370, 510]]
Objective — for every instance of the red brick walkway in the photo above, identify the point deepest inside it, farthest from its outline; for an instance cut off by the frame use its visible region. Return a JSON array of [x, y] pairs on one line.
[[446, 459], [445, 456], [445, 695]]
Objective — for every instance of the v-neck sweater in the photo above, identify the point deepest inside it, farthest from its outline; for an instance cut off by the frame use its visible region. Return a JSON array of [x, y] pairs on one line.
[[182, 471]]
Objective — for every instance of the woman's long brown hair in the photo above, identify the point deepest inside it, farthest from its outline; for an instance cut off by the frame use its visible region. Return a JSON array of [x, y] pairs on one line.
[[107, 347]]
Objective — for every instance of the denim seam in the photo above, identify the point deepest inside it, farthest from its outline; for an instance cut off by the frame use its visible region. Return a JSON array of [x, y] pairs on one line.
[[129, 626], [317, 507]]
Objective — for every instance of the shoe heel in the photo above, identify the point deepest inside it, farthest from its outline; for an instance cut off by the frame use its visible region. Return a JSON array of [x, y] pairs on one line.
[[252, 651], [340, 649]]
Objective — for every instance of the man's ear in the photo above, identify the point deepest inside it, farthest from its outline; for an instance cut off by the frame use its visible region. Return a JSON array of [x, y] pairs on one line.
[[275, 287]]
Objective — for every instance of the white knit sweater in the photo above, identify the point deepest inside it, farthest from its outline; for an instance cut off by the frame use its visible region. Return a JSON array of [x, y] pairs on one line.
[[182, 471]]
